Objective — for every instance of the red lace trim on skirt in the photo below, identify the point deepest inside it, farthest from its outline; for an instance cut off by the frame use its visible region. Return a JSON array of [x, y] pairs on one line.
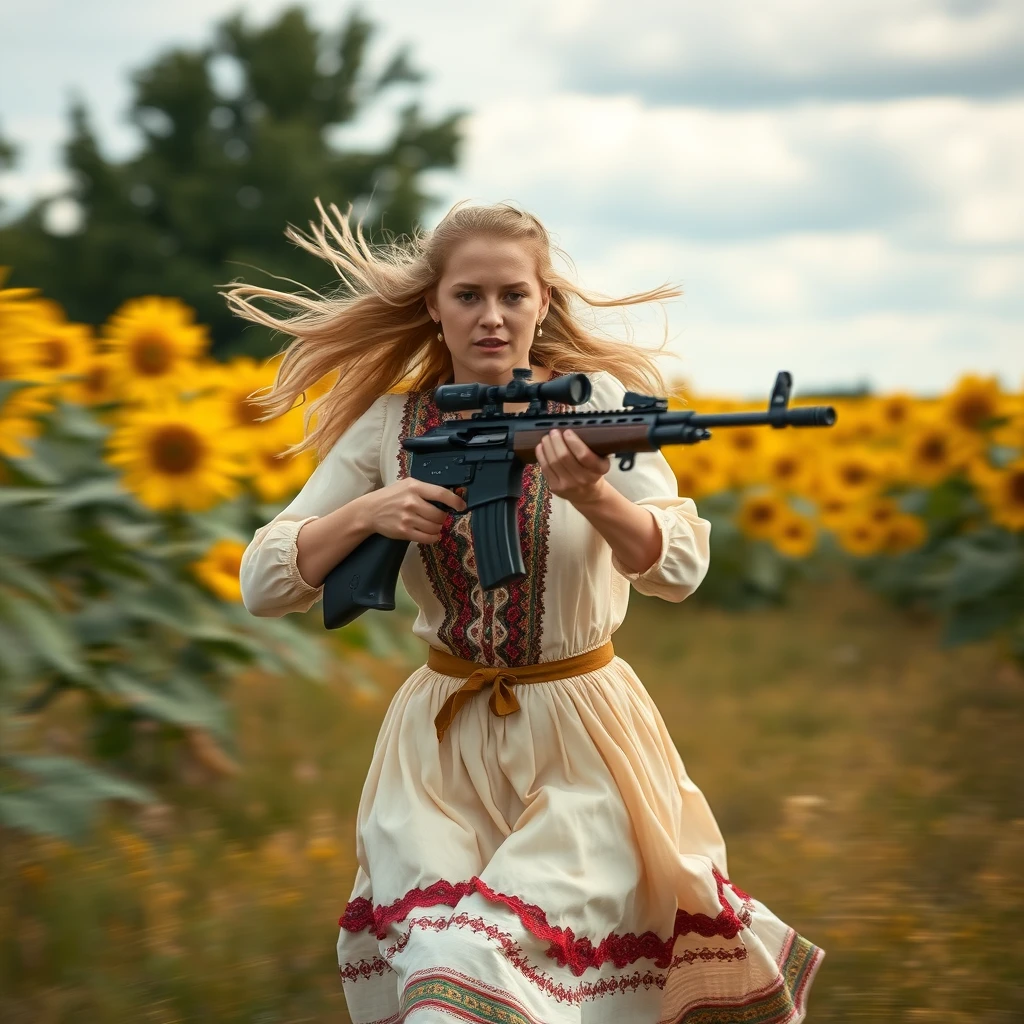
[[577, 954]]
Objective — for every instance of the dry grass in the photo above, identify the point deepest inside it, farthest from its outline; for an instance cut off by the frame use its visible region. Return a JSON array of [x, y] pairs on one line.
[[869, 786]]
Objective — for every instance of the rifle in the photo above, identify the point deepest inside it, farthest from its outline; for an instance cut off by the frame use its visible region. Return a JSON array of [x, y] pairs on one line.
[[486, 455]]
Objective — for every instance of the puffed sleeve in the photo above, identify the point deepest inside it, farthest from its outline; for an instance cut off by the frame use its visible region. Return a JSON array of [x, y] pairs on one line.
[[271, 584], [685, 536]]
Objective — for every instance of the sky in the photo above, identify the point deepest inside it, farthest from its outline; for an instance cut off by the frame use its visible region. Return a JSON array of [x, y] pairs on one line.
[[838, 189]]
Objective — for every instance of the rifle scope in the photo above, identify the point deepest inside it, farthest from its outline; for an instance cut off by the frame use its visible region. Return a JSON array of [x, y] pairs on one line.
[[572, 389]]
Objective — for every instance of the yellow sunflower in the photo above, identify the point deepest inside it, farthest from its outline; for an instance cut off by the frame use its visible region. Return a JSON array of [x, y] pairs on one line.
[[936, 449], [155, 344], [177, 454], [855, 471], [794, 535], [97, 383], [64, 355], [972, 402], [860, 535], [275, 475], [790, 463], [218, 569], [895, 411], [1003, 492], [904, 533], [698, 469], [759, 515], [21, 316], [238, 380], [1011, 433], [834, 507]]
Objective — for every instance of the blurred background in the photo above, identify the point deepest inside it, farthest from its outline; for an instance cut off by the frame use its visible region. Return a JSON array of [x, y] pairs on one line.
[[838, 191]]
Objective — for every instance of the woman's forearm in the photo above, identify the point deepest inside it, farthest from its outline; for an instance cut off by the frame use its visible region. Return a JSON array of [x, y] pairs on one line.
[[631, 530], [322, 543]]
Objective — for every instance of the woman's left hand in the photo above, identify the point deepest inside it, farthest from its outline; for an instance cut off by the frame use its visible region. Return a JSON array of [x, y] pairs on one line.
[[573, 471]]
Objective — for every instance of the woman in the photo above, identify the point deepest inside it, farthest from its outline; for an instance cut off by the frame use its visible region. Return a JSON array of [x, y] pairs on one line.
[[535, 852]]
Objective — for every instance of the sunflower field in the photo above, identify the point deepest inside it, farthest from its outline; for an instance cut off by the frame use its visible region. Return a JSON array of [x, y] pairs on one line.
[[132, 476], [134, 471]]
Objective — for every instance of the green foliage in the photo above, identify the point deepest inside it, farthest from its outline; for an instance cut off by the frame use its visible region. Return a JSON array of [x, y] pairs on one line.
[[98, 597], [221, 174], [970, 571]]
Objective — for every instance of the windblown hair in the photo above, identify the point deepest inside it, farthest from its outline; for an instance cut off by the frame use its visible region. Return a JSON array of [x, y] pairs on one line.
[[377, 332]]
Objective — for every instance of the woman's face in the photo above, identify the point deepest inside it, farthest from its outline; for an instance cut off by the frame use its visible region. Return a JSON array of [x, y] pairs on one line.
[[489, 289]]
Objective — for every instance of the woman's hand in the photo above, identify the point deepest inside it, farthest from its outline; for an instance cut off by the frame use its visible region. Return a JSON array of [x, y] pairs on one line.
[[573, 471], [402, 510]]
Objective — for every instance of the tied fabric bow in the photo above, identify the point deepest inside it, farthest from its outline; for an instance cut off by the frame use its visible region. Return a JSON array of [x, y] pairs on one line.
[[502, 700]]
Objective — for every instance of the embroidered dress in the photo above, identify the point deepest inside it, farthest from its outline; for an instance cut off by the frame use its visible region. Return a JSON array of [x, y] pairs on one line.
[[556, 863]]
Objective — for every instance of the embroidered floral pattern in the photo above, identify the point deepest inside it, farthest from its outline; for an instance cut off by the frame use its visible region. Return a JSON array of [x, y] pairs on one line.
[[776, 1003], [499, 627], [563, 946]]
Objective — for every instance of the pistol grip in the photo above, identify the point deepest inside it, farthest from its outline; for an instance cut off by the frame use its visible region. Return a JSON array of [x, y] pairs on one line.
[[365, 579]]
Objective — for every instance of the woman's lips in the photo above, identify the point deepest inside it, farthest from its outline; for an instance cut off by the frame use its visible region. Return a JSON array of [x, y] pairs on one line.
[[491, 344]]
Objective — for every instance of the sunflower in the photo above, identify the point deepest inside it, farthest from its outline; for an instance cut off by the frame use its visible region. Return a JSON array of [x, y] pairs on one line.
[[790, 464], [276, 475], [1011, 433], [97, 384], [153, 341], [937, 449], [834, 507], [63, 355], [895, 411], [218, 569], [698, 470], [177, 454], [904, 533], [973, 402], [1003, 493], [21, 316], [794, 535], [856, 472], [759, 515], [861, 536]]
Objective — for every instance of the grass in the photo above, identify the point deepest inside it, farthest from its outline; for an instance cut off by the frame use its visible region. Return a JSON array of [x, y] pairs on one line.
[[869, 785]]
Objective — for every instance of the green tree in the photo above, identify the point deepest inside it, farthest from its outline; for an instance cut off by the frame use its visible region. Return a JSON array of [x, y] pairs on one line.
[[222, 171]]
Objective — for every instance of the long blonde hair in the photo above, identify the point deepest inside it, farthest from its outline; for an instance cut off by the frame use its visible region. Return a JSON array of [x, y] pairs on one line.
[[377, 332]]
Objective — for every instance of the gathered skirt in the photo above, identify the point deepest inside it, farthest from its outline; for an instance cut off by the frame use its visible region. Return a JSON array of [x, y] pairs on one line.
[[553, 865]]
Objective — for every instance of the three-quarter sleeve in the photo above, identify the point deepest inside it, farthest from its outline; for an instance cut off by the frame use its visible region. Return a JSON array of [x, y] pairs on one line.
[[685, 537], [269, 575]]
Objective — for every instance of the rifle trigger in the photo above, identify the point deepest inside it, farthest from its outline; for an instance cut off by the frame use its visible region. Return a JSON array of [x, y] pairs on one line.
[[626, 460]]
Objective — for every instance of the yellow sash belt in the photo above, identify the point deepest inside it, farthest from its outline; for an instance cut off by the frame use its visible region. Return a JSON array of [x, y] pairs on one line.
[[501, 679]]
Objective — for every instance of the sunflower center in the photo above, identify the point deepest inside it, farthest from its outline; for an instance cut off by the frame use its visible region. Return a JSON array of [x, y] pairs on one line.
[[55, 354], [762, 513], [151, 354], [1016, 488], [743, 441], [896, 414], [973, 410], [785, 467], [854, 474], [176, 450], [96, 379], [246, 412], [934, 450]]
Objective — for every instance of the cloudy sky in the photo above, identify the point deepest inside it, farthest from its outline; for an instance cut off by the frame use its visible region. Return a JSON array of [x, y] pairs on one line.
[[837, 188]]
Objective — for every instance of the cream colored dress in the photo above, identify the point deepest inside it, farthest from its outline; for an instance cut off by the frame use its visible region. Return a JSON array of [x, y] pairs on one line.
[[557, 864]]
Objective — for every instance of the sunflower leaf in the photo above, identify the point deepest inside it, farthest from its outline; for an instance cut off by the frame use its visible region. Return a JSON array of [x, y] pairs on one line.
[[47, 636], [177, 699]]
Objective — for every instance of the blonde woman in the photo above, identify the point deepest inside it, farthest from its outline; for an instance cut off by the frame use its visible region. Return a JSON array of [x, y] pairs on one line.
[[530, 847]]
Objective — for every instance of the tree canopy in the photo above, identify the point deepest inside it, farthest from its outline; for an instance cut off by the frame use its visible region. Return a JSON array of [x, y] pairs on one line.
[[223, 170]]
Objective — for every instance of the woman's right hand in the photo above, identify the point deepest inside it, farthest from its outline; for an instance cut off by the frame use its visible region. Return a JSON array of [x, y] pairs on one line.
[[403, 510]]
